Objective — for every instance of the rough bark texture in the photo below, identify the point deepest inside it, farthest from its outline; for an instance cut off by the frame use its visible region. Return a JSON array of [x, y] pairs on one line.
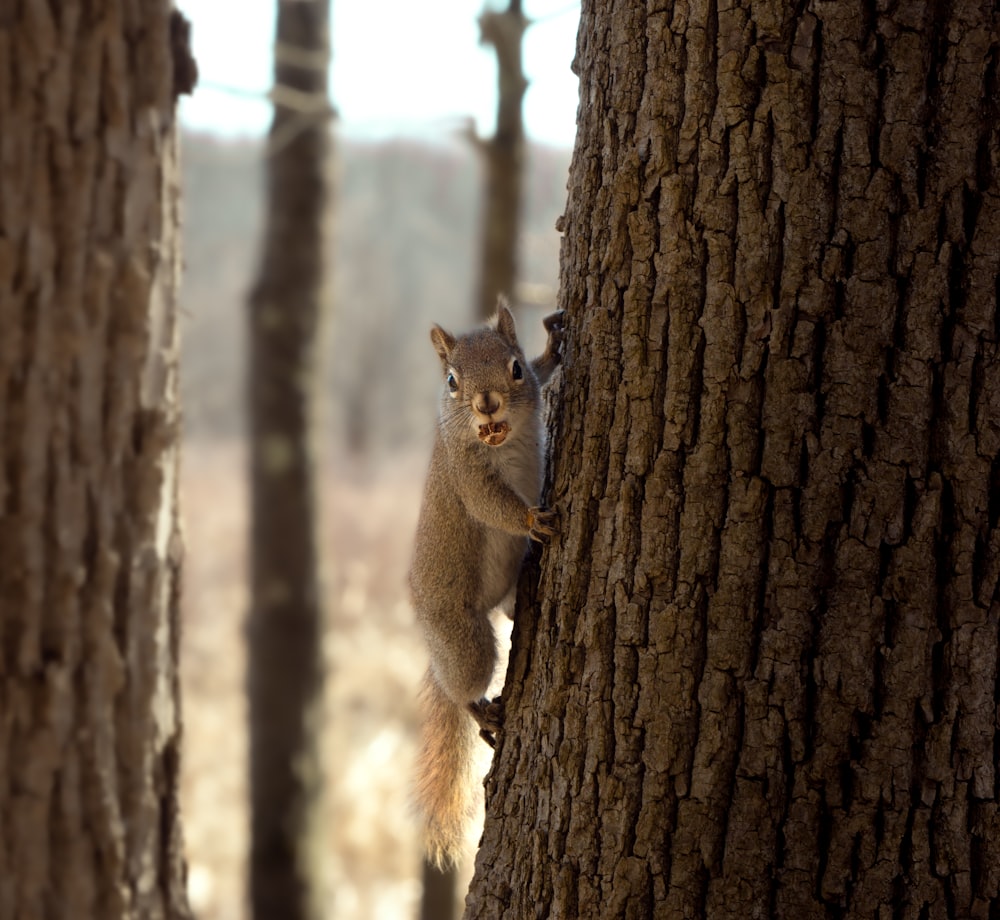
[[503, 157], [89, 539], [285, 628], [759, 674]]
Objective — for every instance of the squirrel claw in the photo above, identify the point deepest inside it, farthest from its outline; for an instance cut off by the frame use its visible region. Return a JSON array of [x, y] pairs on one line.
[[489, 737], [543, 524], [555, 326], [489, 716], [555, 321]]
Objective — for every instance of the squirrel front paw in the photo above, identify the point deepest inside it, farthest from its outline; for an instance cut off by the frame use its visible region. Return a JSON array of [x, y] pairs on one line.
[[555, 326], [554, 321], [543, 524]]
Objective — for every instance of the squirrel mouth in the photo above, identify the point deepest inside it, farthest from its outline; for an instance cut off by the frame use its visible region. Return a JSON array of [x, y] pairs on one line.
[[494, 433]]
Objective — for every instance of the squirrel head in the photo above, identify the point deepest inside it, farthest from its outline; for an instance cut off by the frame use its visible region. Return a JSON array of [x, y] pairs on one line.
[[490, 388]]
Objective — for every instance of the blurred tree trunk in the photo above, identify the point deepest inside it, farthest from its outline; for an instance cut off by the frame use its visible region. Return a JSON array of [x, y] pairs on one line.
[[285, 679], [439, 900], [504, 158], [89, 541], [759, 673]]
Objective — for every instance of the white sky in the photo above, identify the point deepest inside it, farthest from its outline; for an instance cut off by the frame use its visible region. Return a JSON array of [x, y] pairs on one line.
[[399, 66]]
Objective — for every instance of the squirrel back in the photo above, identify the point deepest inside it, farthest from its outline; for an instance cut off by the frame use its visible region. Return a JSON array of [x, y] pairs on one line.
[[480, 506]]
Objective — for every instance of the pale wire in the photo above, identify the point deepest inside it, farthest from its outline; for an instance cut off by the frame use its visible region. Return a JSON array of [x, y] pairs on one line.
[[313, 107]]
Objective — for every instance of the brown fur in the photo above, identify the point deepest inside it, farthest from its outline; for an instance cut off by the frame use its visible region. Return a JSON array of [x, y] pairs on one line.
[[479, 509]]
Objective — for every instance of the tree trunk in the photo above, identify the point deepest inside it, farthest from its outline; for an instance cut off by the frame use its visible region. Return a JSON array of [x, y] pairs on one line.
[[504, 159], [89, 540], [285, 666], [758, 676]]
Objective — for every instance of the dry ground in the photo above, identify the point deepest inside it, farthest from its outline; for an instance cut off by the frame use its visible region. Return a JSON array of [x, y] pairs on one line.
[[375, 661]]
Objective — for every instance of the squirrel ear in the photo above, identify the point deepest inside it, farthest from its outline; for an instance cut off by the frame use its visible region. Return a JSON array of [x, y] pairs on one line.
[[443, 342], [505, 321]]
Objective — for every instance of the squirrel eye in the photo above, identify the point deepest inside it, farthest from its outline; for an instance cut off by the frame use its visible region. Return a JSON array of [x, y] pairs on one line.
[[515, 371], [452, 383]]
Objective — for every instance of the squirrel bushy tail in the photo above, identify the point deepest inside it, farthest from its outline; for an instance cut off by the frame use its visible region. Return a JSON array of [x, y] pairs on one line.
[[445, 786]]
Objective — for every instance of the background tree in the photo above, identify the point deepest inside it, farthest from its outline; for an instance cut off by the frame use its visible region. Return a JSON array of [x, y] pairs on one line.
[[285, 661], [503, 156], [759, 672], [89, 544]]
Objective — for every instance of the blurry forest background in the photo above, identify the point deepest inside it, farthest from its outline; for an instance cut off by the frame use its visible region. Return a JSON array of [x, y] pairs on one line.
[[405, 255]]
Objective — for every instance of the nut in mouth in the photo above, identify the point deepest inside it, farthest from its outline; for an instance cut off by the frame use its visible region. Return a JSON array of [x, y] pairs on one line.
[[494, 433]]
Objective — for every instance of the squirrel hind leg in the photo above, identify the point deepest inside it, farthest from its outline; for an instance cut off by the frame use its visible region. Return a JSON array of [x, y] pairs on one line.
[[489, 717], [463, 652]]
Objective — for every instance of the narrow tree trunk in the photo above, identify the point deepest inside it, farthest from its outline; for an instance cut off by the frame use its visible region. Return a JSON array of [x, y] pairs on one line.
[[439, 900], [759, 677], [89, 541], [285, 629], [504, 159]]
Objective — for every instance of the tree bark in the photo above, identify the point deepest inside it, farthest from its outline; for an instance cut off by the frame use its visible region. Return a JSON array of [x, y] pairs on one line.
[[504, 159], [758, 675], [90, 547], [285, 662]]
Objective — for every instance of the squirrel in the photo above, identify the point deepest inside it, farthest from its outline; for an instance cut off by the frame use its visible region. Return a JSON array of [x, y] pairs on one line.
[[480, 507]]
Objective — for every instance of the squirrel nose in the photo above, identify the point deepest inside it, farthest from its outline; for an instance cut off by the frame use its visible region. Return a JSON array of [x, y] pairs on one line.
[[486, 403]]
